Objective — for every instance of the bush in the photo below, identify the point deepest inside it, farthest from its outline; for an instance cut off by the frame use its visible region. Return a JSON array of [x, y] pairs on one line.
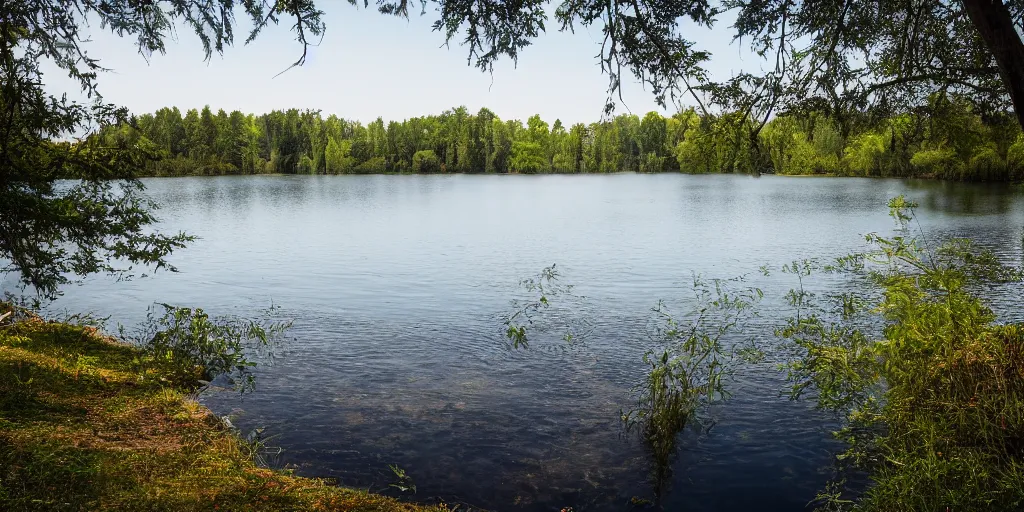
[[934, 409], [1015, 158], [375, 165], [651, 162], [692, 157], [941, 163], [425, 161], [191, 349], [306, 165], [863, 156], [528, 157], [987, 165]]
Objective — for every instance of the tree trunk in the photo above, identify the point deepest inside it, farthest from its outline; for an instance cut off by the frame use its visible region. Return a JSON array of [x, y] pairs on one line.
[[994, 23]]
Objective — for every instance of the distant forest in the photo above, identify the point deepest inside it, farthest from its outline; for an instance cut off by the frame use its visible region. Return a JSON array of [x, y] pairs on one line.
[[947, 138]]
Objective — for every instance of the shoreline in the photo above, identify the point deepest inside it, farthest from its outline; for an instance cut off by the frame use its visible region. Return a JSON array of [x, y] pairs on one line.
[[83, 428], [927, 178]]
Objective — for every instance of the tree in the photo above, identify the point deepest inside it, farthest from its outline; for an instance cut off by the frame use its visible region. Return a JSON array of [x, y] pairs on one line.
[[249, 145], [99, 221], [425, 161], [338, 156], [845, 54], [528, 157]]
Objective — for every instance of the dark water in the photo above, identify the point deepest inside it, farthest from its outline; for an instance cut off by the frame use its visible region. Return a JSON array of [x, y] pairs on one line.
[[398, 286]]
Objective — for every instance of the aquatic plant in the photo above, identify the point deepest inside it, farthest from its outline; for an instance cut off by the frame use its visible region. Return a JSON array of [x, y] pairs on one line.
[[545, 290], [685, 372]]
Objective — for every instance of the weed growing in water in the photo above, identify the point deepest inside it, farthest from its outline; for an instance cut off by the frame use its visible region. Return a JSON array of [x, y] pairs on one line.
[[686, 371], [551, 298]]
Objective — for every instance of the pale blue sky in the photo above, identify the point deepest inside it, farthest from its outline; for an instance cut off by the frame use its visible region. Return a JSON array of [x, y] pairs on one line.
[[371, 65]]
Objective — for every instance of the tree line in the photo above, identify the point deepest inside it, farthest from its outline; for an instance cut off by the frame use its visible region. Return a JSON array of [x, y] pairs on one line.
[[945, 138]]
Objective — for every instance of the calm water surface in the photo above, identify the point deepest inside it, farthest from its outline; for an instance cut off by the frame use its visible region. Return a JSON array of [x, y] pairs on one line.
[[398, 286]]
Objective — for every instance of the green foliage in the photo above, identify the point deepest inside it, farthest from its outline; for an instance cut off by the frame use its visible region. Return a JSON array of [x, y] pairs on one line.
[[864, 155], [552, 305], [651, 162], [937, 162], [686, 371], [827, 139], [425, 161], [1015, 158], [809, 142], [338, 156], [933, 403], [987, 165], [306, 165], [190, 348], [375, 165], [404, 482], [527, 157]]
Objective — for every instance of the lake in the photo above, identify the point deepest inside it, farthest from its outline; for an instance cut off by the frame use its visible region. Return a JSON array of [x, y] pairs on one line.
[[398, 286]]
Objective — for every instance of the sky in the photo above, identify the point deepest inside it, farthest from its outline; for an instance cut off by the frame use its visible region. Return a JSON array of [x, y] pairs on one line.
[[371, 65]]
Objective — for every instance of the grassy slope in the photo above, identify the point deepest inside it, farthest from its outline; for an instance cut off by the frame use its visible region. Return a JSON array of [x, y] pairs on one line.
[[81, 428]]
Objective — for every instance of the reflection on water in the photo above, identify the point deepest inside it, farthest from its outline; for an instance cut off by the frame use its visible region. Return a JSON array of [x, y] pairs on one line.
[[966, 198], [398, 286]]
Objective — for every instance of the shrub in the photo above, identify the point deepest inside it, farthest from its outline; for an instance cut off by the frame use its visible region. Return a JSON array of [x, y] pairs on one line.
[[375, 165], [651, 162], [306, 165], [686, 369], [191, 349], [863, 156], [941, 163], [528, 157], [986, 164], [934, 409], [1015, 158], [425, 161]]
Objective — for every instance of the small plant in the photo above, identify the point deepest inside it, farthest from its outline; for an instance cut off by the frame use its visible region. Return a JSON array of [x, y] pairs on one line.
[[84, 365], [405, 482], [527, 313], [685, 374], [258, 449], [190, 349], [18, 388]]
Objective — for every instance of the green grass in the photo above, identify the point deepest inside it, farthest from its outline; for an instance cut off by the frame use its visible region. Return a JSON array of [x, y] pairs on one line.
[[83, 426]]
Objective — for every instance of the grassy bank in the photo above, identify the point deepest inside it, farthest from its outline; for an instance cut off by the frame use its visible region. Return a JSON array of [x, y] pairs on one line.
[[83, 427]]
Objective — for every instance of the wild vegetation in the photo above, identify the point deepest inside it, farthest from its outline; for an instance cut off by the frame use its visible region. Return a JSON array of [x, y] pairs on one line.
[[945, 138], [687, 370], [929, 385]]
